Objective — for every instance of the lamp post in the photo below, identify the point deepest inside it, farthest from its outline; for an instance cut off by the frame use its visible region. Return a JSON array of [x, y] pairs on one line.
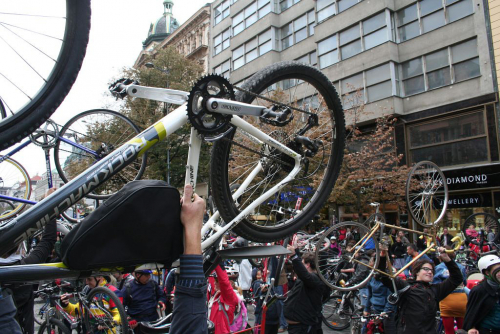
[[167, 72]]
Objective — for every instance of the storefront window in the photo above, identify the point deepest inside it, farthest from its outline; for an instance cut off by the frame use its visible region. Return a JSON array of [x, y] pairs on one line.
[[453, 141]]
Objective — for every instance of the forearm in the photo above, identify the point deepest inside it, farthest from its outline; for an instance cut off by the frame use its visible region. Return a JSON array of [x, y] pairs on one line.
[[192, 240], [42, 251]]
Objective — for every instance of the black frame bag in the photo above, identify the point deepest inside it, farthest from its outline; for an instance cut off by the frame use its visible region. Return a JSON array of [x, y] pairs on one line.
[[139, 224]]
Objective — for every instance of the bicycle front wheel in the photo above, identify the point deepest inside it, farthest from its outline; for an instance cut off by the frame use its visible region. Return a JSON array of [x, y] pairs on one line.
[[318, 119], [13, 176], [105, 312], [90, 136], [333, 265], [426, 193], [44, 50]]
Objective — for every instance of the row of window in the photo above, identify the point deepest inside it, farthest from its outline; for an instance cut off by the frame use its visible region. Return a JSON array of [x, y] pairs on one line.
[[252, 49], [347, 43], [427, 15], [297, 30], [327, 8], [443, 67]]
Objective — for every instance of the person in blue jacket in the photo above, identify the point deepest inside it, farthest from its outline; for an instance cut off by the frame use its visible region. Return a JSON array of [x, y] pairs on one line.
[[376, 302]]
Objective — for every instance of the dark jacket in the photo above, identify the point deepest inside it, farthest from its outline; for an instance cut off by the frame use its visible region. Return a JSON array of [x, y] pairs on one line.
[[482, 299], [304, 301], [142, 299], [361, 272], [273, 312], [417, 307], [23, 293], [398, 249]]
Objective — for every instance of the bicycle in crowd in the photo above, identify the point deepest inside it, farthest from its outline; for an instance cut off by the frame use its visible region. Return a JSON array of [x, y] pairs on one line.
[[94, 311]]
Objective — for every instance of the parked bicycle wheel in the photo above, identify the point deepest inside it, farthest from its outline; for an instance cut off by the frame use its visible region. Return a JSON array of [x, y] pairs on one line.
[[54, 326], [426, 193], [45, 47], [337, 316], [477, 226], [107, 314], [13, 176], [296, 86], [330, 264], [89, 137]]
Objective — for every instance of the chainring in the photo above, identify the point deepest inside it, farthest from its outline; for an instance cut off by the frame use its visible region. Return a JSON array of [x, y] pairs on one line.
[[203, 120]]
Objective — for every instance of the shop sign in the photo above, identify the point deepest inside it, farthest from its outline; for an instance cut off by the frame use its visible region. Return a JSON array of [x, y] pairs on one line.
[[473, 178], [467, 201]]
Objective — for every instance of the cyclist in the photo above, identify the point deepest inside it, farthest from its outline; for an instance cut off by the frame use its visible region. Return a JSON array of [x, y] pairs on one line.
[[483, 308], [418, 298], [376, 302], [91, 283], [223, 303], [142, 296], [304, 302]]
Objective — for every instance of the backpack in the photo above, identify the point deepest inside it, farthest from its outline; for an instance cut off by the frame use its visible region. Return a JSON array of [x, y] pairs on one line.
[[240, 319]]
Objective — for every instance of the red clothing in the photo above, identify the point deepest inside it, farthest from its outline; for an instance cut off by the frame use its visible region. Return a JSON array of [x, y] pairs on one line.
[[226, 298]]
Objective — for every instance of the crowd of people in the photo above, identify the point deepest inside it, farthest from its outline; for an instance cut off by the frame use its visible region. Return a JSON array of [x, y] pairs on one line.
[[232, 291]]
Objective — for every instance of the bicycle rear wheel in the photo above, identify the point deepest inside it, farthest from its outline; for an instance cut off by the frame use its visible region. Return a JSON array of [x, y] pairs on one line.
[[294, 85], [106, 312], [330, 264], [45, 47], [426, 193], [15, 178], [100, 131]]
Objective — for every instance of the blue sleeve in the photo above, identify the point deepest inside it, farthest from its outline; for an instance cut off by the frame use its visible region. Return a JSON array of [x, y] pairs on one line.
[[8, 323], [190, 310], [369, 297]]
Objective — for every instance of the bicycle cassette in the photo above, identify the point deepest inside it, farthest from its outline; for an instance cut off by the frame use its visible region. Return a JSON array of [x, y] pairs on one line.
[[203, 120]]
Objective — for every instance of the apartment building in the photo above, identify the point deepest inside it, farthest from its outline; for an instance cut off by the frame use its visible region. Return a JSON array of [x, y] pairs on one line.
[[428, 62]]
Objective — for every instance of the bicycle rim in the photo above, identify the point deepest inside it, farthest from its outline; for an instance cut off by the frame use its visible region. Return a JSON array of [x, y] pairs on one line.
[[285, 212], [426, 193], [16, 182], [329, 264], [42, 51], [100, 302], [102, 131]]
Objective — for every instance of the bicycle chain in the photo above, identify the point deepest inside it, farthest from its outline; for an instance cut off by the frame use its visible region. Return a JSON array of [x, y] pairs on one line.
[[272, 101]]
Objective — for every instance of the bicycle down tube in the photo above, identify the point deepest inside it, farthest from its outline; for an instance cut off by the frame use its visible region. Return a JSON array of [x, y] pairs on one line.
[[21, 227]]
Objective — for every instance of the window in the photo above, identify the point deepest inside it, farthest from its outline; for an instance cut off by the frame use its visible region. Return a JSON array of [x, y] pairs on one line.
[[309, 58], [297, 30], [221, 12], [328, 8], [465, 60], [325, 9], [378, 83], [452, 141], [252, 49], [438, 72], [223, 69], [251, 14], [285, 4], [368, 86], [375, 31], [328, 52], [428, 15], [222, 41]]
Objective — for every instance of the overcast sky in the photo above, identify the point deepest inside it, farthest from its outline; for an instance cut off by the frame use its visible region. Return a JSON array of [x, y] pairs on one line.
[[118, 29]]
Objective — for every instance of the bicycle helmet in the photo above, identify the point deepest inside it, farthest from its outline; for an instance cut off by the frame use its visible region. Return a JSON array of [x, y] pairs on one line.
[[487, 261]]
